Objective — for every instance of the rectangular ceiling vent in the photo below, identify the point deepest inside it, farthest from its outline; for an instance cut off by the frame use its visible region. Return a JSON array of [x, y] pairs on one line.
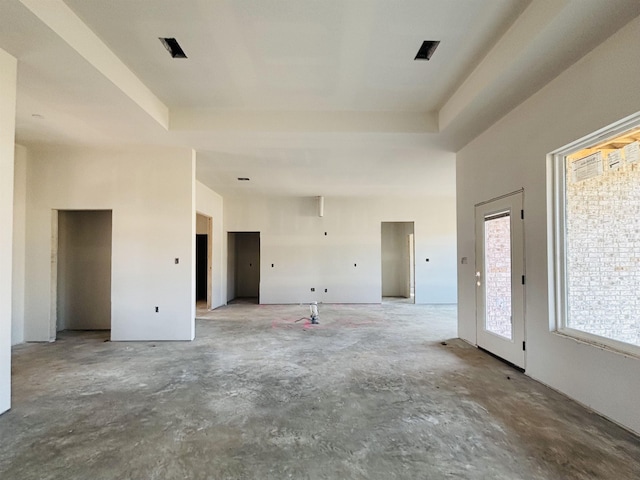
[[243, 179], [173, 47], [427, 49]]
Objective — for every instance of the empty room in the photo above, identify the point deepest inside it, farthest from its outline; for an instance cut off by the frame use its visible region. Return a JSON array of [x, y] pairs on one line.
[[340, 239]]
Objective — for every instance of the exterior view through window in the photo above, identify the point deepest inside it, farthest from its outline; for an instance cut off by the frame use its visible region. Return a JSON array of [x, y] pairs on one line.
[[599, 240], [497, 274]]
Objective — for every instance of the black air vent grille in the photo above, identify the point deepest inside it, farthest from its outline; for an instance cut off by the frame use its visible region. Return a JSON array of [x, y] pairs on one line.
[[427, 49], [173, 47]]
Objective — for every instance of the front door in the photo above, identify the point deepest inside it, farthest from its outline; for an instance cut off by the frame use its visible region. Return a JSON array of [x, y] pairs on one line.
[[500, 277]]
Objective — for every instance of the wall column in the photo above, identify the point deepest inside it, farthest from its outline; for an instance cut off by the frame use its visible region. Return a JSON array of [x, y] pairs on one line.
[[8, 80]]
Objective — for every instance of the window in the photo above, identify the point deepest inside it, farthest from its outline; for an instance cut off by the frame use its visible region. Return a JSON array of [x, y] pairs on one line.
[[497, 274], [598, 237]]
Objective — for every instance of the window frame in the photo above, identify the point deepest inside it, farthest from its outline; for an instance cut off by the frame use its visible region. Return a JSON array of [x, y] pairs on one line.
[[558, 267]]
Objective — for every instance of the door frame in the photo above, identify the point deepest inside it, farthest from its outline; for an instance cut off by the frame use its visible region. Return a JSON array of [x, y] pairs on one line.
[[232, 262], [209, 255], [53, 277], [409, 246], [512, 350]]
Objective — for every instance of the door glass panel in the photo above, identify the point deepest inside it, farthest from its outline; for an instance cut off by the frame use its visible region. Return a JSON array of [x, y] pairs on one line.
[[497, 274]]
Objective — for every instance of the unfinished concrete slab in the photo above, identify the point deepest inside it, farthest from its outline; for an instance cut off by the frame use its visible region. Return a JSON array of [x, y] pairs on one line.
[[373, 392]]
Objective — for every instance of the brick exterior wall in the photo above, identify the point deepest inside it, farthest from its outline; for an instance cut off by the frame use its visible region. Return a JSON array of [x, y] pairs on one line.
[[603, 253]]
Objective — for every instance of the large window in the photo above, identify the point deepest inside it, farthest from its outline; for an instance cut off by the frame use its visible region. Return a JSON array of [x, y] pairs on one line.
[[598, 237]]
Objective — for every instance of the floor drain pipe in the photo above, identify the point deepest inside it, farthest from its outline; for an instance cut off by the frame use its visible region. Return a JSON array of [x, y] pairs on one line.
[[314, 313]]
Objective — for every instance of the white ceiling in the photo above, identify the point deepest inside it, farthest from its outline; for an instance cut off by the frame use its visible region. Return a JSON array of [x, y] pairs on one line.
[[300, 55], [306, 97]]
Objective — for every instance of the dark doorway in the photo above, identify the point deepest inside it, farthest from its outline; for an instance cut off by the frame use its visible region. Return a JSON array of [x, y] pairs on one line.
[[243, 266], [202, 261], [204, 265]]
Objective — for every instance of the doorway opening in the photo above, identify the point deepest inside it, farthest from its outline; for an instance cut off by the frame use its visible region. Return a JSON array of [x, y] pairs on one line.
[[500, 278], [243, 267], [398, 262], [81, 261], [204, 262]]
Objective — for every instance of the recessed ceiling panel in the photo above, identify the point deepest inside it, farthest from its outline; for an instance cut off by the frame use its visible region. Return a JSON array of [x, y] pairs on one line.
[[341, 55]]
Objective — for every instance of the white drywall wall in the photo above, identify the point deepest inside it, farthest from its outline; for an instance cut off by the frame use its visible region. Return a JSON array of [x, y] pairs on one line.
[[84, 270], [230, 248], [209, 203], [293, 240], [8, 75], [151, 193], [19, 237], [600, 89]]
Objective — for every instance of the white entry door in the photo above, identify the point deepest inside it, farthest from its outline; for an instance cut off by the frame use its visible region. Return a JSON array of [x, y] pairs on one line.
[[500, 277]]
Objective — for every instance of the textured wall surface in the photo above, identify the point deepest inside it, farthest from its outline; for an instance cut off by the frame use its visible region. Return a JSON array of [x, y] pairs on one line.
[[514, 154]]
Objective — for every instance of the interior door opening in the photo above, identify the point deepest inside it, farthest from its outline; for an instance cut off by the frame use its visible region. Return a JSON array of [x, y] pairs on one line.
[[398, 262], [204, 263], [500, 278], [243, 267], [82, 270]]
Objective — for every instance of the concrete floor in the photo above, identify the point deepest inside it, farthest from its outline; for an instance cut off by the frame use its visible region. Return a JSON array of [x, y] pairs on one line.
[[373, 392]]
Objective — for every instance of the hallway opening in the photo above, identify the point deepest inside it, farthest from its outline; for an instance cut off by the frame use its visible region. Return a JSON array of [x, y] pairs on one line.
[[82, 270]]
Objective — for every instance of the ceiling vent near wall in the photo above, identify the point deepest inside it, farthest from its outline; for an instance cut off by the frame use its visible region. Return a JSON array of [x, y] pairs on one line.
[[427, 49], [173, 47]]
